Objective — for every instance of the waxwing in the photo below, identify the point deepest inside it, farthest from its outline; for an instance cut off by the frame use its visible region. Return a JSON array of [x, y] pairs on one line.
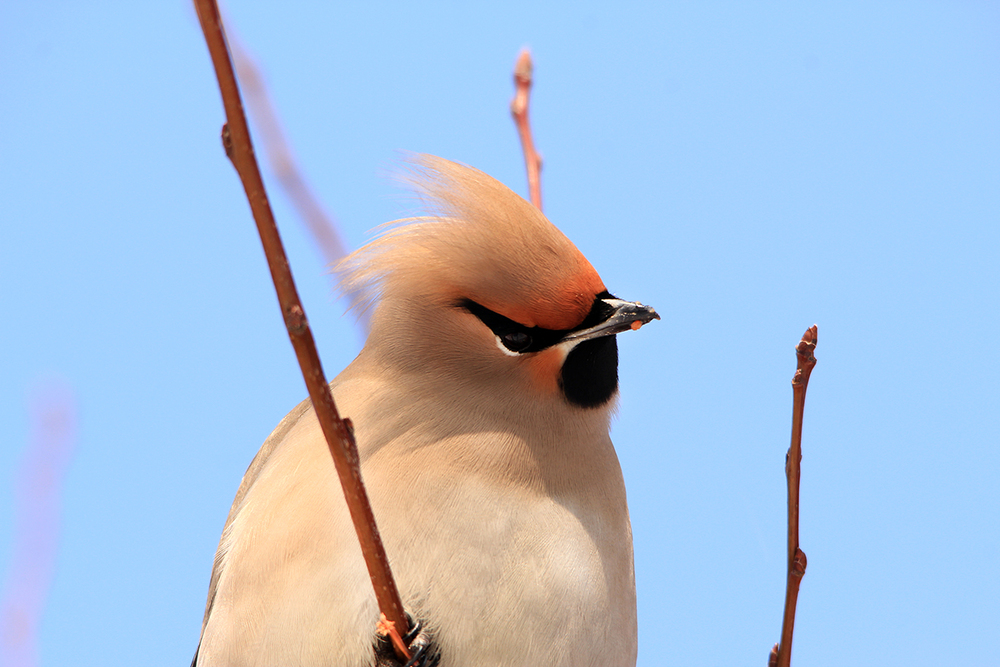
[[481, 405]]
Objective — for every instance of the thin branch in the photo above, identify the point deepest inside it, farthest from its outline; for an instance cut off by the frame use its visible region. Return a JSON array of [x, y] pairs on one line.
[[519, 110], [278, 152], [781, 654], [338, 432]]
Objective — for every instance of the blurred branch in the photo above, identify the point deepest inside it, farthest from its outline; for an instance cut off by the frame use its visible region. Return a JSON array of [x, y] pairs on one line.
[[37, 499], [278, 152], [523, 70], [339, 435], [781, 654]]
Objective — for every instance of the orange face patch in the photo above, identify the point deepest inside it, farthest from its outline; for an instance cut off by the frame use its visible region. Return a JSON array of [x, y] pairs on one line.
[[544, 368], [556, 307]]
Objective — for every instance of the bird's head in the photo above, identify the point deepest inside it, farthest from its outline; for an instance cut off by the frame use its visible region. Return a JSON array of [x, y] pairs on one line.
[[484, 291]]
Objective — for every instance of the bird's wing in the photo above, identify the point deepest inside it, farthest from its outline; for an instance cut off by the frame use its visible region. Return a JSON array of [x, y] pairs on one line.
[[249, 477]]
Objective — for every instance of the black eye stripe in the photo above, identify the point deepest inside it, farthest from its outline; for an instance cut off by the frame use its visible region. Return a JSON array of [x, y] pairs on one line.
[[512, 334], [600, 311], [515, 337]]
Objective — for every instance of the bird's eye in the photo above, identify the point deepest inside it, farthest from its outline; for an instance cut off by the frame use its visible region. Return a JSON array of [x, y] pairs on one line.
[[516, 341]]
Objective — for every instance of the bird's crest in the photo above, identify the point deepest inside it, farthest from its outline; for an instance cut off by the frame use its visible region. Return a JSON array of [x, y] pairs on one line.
[[477, 240]]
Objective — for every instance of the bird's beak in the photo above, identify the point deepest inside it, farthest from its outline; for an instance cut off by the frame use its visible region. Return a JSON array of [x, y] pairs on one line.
[[624, 316]]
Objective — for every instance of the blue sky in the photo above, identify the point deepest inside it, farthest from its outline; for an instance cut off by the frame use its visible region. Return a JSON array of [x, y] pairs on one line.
[[748, 169]]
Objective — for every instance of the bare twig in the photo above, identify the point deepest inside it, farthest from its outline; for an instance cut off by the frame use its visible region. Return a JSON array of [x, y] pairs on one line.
[[339, 434], [781, 654], [282, 161], [519, 110]]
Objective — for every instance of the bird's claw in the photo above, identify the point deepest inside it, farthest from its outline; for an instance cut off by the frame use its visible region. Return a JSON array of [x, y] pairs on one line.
[[423, 652]]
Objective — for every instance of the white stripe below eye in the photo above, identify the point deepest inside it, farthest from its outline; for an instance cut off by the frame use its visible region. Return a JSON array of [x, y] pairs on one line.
[[503, 348]]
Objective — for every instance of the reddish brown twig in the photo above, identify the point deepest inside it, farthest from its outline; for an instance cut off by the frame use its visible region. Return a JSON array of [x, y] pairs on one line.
[[781, 654], [519, 110], [338, 432]]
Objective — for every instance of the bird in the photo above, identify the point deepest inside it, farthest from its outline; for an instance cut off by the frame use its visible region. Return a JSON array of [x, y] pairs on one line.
[[481, 403]]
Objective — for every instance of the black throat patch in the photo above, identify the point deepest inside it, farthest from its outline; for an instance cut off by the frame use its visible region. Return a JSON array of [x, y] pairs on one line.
[[589, 376]]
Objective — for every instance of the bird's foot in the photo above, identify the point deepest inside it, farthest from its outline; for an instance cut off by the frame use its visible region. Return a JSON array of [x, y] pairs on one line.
[[423, 651]]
